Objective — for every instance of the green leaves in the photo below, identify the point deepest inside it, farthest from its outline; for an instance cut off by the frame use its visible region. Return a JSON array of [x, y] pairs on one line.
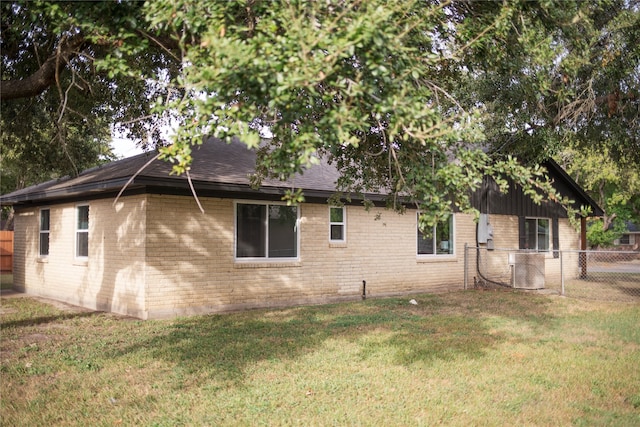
[[402, 96], [346, 80], [615, 186], [556, 72], [371, 85]]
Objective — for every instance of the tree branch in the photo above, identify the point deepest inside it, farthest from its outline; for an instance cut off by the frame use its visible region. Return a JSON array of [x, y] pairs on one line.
[[165, 43], [45, 76]]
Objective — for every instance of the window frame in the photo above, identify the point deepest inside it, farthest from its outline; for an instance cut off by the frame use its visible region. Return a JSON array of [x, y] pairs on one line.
[[436, 255], [342, 224], [625, 239], [549, 237], [46, 232], [79, 231], [266, 258]]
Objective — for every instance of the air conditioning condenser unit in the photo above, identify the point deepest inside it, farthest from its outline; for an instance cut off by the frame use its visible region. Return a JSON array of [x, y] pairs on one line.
[[528, 270]]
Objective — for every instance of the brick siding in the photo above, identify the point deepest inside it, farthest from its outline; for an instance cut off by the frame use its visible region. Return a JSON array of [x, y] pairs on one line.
[[154, 256], [191, 266], [112, 276]]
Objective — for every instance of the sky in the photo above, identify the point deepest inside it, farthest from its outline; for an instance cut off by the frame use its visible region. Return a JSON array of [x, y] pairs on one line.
[[123, 147]]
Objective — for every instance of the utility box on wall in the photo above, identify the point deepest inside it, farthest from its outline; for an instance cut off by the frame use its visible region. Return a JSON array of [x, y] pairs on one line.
[[528, 270], [485, 232], [483, 229]]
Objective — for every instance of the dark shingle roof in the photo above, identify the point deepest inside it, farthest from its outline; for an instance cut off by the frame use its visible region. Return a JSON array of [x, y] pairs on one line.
[[218, 169], [217, 166], [632, 227]]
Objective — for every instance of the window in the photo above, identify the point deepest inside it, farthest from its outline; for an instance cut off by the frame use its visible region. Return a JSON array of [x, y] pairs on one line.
[[337, 224], [266, 231], [625, 239], [45, 216], [439, 241], [82, 231], [536, 234]]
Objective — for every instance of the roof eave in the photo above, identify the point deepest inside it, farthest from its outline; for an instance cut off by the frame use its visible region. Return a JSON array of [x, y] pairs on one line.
[[154, 185], [75, 191]]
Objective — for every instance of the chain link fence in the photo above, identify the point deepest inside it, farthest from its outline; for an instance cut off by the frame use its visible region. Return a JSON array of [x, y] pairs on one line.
[[597, 275]]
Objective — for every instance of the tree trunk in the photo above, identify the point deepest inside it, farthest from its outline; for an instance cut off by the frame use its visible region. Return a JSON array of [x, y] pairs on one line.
[[606, 218], [8, 223]]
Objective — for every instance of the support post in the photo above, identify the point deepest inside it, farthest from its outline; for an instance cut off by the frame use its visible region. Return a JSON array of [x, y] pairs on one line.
[[583, 248]]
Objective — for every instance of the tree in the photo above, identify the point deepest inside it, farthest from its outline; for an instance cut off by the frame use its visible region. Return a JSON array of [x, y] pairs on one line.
[[57, 108], [555, 73], [615, 186], [600, 237], [87, 62], [34, 151], [387, 90], [369, 84]]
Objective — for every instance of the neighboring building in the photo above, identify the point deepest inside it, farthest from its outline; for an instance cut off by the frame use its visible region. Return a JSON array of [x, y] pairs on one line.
[[630, 239], [152, 253]]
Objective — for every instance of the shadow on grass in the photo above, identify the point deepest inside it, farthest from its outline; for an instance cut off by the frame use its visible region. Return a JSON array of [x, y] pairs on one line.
[[20, 310], [223, 345], [35, 321], [454, 326]]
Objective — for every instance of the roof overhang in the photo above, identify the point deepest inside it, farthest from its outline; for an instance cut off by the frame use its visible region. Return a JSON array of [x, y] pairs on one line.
[[173, 186]]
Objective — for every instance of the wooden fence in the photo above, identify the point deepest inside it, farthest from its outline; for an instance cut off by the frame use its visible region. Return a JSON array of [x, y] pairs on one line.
[[6, 251]]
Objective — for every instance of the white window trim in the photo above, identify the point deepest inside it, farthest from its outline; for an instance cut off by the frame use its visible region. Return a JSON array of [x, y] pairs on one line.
[[549, 250], [343, 224], [265, 259], [436, 256], [40, 232], [77, 230]]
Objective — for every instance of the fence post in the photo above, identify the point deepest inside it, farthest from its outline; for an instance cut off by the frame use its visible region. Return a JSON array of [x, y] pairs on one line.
[[561, 275], [466, 264]]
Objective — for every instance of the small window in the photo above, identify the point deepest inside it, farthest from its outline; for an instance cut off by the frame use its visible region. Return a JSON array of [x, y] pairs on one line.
[[537, 232], [337, 224], [625, 239], [439, 241], [266, 231], [82, 231], [45, 217]]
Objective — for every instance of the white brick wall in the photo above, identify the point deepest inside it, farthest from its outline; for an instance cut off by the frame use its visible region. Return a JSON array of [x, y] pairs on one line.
[[112, 276], [156, 256], [191, 266]]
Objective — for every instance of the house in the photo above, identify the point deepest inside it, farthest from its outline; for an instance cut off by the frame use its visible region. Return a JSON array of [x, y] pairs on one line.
[[152, 253], [630, 239]]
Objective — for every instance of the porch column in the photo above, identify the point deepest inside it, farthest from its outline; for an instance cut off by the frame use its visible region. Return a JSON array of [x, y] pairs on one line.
[[583, 247]]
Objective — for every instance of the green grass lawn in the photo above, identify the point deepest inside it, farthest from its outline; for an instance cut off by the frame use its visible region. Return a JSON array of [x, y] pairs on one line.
[[464, 358]]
